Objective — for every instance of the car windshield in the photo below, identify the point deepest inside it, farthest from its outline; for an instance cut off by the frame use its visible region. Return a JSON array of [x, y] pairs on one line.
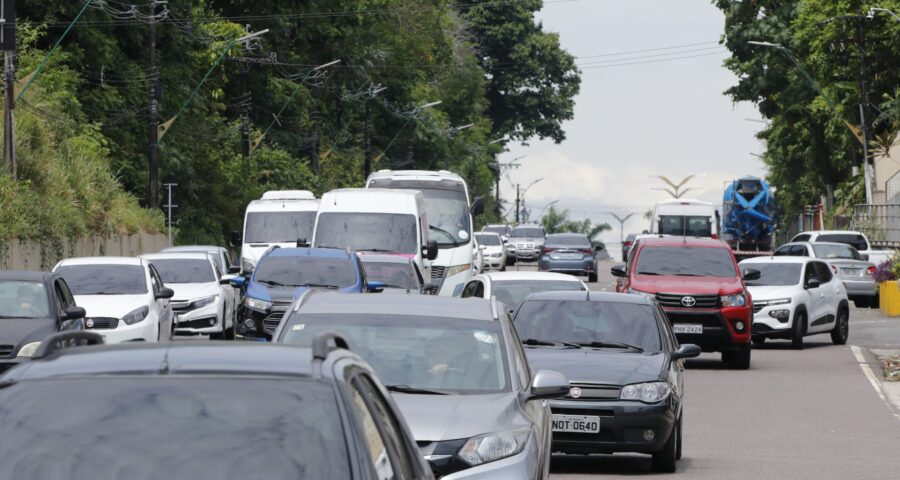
[[489, 240], [527, 232], [180, 270], [301, 271], [374, 232], [105, 279], [682, 225], [75, 429], [512, 292], [568, 241], [685, 261], [775, 274], [842, 252], [391, 274], [21, 299], [584, 322], [448, 212], [855, 240], [432, 353], [498, 229], [279, 227]]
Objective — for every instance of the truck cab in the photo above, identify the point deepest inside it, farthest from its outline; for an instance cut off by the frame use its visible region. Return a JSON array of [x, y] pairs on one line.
[[280, 218]]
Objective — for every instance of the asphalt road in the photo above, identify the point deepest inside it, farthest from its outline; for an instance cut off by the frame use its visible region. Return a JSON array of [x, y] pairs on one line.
[[794, 415]]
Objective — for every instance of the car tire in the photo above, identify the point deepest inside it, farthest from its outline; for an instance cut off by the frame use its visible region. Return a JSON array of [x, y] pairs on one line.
[[841, 330], [664, 461], [759, 340], [592, 277], [798, 330], [739, 359]]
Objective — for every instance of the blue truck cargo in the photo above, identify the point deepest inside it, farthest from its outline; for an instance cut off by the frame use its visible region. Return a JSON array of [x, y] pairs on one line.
[[748, 220]]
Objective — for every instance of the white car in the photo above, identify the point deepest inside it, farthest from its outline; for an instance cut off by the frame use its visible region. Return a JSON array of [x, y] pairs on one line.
[[846, 262], [857, 240], [512, 287], [494, 250], [477, 257], [124, 298], [796, 297], [204, 302]]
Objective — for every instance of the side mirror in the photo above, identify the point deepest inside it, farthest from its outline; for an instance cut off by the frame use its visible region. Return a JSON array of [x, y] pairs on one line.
[[236, 238], [687, 350], [430, 251], [234, 270], [618, 271], [477, 206], [865, 256], [165, 293], [238, 282], [813, 283], [547, 384], [375, 287], [226, 279], [751, 274], [74, 313]]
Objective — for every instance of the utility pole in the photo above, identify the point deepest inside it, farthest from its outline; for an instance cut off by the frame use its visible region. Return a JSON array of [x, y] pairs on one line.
[[864, 106], [8, 45], [169, 206], [410, 146], [367, 141], [246, 104], [153, 154], [517, 203]]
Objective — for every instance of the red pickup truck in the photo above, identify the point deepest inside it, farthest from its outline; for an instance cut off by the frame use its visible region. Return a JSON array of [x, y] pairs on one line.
[[699, 286]]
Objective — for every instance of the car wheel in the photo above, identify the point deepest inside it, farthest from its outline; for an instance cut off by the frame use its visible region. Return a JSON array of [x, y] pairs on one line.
[[740, 358], [664, 460], [798, 330], [841, 330], [592, 277], [759, 340], [680, 438]]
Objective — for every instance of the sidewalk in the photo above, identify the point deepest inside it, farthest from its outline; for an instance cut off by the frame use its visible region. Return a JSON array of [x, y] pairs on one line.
[[875, 340]]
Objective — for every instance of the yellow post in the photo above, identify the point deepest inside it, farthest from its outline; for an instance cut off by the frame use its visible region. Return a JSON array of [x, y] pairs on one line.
[[890, 299]]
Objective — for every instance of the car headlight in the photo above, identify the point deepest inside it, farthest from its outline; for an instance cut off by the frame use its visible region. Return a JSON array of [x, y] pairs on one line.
[[136, 315], [493, 446], [650, 392], [203, 302], [257, 304], [247, 266], [458, 269], [736, 300], [29, 350]]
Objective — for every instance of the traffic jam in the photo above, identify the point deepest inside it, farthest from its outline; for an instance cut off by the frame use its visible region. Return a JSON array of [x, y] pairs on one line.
[[376, 333]]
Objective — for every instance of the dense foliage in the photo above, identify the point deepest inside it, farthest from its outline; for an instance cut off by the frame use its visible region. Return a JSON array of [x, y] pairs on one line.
[[471, 57]]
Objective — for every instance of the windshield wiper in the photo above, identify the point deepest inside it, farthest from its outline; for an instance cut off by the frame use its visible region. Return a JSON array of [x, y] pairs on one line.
[[441, 230], [611, 345], [648, 273], [548, 343], [273, 283], [317, 285], [686, 275], [413, 390]]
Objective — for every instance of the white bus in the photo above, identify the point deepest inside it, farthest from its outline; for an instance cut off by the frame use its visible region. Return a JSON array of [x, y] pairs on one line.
[[450, 216], [682, 217], [280, 217]]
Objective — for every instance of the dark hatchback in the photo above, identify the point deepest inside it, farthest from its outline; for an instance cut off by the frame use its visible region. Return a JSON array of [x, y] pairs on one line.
[[33, 306], [626, 371], [569, 253], [211, 410]]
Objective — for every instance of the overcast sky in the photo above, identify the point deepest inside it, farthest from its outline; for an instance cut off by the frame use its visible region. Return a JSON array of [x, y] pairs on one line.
[[662, 118]]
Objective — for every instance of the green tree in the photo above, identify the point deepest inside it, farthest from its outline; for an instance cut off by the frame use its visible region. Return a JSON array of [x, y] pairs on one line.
[[558, 221]]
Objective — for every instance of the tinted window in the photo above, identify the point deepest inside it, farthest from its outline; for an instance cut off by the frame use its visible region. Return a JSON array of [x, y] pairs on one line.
[[685, 261], [393, 275], [568, 241], [854, 240], [301, 271], [498, 229], [582, 322], [105, 279], [450, 355], [527, 232], [279, 227], [691, 226], [492, 240], [372, 232], [19, 299], [823, 272], [844, 252], [512, 292], [78, 428], [775, 274], [184, 271], [801, 238]]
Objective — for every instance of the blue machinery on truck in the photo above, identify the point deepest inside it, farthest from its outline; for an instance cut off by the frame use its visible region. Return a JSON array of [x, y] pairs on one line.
[[748, 220]]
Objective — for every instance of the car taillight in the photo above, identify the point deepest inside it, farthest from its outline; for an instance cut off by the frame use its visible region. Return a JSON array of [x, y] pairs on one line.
[[871, 270], [586, 251], [546, 250], [714, 236]]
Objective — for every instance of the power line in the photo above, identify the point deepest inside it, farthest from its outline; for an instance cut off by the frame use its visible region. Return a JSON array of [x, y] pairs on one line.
[[673, 47], [592, 67], [718, 48]]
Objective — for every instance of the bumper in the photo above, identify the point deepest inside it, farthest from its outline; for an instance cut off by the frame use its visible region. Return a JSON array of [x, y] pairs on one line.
[[861, 288], [583, 267], [523, 465], [720, 332], [7, 363], [201, 321], [527, 253], [622, 426], [770, 327], [494, 262]]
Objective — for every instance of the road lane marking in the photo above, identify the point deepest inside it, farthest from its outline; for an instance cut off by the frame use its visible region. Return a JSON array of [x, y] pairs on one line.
[[876, 384]]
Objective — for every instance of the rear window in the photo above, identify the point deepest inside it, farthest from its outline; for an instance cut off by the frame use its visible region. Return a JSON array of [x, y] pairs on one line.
[[690, 226], [836, 252], [568, 241], [685, 262], [152, 427], [105, 279], [179, 270], [854, 240]]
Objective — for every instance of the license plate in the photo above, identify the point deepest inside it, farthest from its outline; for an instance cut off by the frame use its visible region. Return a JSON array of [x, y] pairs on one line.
[[851, 271], [687, 328], [567, 256], [576, 423]]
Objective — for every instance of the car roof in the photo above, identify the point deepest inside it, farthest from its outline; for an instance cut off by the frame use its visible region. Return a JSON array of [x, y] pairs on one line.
[[606, 297], [529, 225], [379, 258], [103, 261], [25, 276], [177, 255], [673, 241], [173, 359], [778, 259], [488, 234], [336, 303], [193, 248], [311, 252], [500, 276], [568, 234]]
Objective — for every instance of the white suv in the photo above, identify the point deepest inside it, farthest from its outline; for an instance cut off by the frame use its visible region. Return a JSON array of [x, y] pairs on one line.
[[795, 297]]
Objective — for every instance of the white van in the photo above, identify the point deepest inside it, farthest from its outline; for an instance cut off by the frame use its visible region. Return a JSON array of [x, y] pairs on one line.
[[450, 213], [681, 217], [280, 217], [376, 220]]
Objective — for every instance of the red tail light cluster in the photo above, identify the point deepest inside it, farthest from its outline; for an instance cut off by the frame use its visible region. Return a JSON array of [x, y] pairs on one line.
[[586, 251], [545, 250], [871, 270]]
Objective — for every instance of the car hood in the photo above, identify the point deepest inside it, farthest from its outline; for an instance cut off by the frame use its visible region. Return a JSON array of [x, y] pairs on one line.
[[526, 240], [113, 306], [493, 249], [698, 285], [286, 294], [760, 293], [434, 418], [193, 291], [19, 331], [603, 366]]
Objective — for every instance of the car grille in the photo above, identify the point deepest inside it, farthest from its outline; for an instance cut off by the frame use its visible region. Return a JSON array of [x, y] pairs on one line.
[[707, 320], [525, 246], [674, 300], [270, 323], [757, 307], [180, 306], [592, 391], [437, 273], [6, 350], [102, 323]]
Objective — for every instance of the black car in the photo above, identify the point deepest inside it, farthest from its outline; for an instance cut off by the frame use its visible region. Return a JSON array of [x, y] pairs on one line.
[[569, 253], [183, 411], [33, 306], [626, 370]]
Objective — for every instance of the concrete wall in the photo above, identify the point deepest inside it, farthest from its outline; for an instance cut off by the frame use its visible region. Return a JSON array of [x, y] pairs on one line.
[[35, 255]]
